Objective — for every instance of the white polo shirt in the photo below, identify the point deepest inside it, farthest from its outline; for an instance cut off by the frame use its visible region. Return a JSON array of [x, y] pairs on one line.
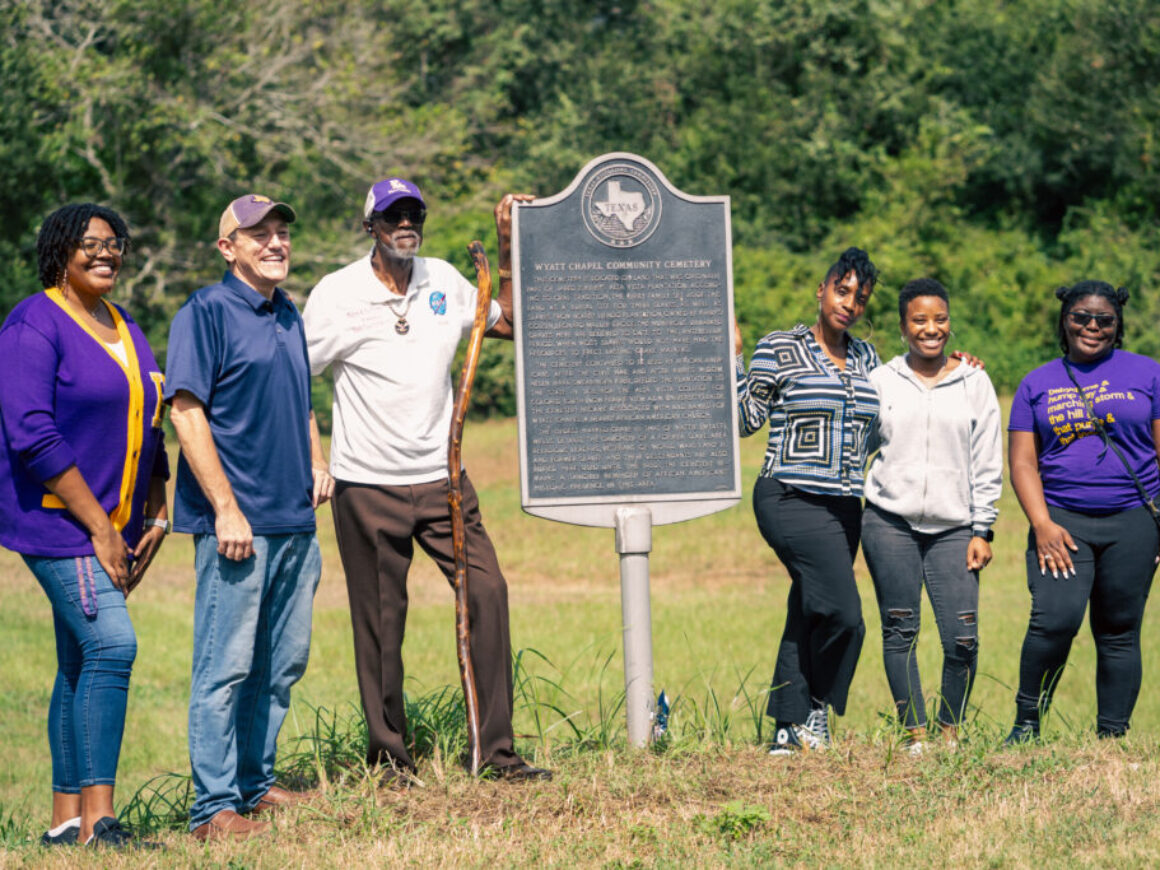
[[392, 393]]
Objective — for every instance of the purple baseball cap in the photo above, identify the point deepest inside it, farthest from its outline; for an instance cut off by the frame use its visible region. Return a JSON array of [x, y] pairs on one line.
[[387, 191], [250, 210]]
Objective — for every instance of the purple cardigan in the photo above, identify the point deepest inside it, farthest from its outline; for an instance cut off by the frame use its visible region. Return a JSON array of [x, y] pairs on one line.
[[66, 399]]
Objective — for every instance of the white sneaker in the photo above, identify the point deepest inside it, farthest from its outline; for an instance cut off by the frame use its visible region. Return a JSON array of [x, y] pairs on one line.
[[817, 728]]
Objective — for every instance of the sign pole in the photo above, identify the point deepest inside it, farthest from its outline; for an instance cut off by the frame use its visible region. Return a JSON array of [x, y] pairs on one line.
[[633, 543]]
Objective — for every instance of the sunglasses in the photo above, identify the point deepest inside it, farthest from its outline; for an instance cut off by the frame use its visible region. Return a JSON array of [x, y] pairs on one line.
[[395, 216], [1082, 319], [93, 246]]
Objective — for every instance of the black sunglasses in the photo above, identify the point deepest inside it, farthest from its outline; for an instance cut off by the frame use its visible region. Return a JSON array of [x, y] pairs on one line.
[[395, 216], [1082, 319]]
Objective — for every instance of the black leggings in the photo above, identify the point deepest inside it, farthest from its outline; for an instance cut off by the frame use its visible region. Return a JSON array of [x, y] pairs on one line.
[[1114, 567], [816, 538]]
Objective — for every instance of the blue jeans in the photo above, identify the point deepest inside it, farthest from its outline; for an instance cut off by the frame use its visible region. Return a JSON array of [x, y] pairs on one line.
[[251, 641], [901, 560], [95, 649]]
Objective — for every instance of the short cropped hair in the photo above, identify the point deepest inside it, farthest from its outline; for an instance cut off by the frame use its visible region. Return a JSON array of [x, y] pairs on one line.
[[911, 290]]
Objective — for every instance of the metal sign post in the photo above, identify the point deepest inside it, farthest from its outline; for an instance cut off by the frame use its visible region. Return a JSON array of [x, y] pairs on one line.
[[623, 295], [633, 543]]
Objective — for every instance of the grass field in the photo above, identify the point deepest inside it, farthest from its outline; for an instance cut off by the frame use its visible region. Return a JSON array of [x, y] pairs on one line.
[[711, 797]]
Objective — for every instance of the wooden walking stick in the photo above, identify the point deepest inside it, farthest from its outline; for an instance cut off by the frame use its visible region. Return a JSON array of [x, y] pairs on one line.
[[455, 499]]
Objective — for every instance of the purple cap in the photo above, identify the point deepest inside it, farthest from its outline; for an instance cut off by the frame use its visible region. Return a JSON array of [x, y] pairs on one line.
[[387, 191], [250, 210]]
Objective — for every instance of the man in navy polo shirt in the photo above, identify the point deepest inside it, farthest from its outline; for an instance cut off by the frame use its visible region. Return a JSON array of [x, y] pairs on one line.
[[250, 475]]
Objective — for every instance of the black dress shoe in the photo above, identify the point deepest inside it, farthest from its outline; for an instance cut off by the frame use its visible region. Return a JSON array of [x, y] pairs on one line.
[[522, 772]]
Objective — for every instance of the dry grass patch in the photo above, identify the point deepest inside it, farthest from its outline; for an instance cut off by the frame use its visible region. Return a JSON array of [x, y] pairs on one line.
[[1076, 803]]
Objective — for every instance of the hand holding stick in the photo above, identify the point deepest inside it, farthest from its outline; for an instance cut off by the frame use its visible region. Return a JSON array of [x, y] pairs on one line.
[[455, 499]]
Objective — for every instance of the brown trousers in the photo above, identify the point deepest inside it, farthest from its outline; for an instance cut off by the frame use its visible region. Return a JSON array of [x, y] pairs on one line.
[[377, 527]]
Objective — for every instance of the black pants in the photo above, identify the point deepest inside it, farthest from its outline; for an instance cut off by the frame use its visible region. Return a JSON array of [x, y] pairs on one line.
[[1114, 564], [816, 538], [377, 527]]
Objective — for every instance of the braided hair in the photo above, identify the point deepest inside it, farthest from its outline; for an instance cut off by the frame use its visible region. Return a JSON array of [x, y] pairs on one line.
[[61, 233], [1069, 296], [857, 261]]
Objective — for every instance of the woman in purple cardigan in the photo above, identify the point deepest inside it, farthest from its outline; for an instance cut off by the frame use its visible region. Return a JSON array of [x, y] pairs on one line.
[[82, 496]]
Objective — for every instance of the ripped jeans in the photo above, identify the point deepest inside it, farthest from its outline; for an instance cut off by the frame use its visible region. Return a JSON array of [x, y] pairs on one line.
[[900, 561]]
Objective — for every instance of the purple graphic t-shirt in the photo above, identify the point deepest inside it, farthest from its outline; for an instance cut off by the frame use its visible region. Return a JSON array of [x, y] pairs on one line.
[[1077, 471]]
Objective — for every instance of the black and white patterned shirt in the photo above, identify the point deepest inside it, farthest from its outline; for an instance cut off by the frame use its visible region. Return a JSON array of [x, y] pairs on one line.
[[820, 417]]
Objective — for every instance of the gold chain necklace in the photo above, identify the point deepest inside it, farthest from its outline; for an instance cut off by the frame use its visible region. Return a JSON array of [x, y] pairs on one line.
[[402, 327]]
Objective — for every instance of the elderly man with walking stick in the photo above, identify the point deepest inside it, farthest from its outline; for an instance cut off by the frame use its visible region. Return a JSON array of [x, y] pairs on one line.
[[389, 325]]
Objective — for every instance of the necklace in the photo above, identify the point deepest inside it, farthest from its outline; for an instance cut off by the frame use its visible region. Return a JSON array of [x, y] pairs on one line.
[[98, 313], [402, 327], [95, 312]]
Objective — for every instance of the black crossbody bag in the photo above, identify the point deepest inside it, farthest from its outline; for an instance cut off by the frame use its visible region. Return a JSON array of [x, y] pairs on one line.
[[1098, 424]]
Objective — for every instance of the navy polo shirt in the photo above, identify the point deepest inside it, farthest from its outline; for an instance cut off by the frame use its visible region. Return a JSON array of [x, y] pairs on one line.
[[244, 358]]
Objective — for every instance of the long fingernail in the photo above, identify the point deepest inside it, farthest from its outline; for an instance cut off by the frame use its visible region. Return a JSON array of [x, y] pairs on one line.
[[1054, 573]]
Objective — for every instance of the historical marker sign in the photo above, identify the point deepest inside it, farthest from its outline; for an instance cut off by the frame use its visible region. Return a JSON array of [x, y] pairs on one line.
[[624, 348]]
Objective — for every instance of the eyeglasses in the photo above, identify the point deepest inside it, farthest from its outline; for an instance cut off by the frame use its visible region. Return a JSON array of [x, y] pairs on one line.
[[395, 216], [1082, 319], [93, 246]]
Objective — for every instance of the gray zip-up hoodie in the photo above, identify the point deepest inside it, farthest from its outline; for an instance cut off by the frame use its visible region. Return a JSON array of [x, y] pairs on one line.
[[940, 450]]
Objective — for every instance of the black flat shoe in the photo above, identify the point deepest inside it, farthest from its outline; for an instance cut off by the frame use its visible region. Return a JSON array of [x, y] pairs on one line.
[[67, 837], [108, 833], [522, 772]]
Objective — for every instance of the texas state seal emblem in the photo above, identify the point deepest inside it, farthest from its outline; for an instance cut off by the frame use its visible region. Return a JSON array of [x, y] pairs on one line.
[[621, 205]]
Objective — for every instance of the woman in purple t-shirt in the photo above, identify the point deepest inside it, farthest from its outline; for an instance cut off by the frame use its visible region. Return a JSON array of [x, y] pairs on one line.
[[1092, 539]]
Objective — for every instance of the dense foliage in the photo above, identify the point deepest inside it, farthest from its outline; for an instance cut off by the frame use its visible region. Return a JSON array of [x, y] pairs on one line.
[[1001, 147]]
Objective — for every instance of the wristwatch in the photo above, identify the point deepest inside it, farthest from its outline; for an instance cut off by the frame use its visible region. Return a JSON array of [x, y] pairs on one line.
[[987, 535], [161, 524]]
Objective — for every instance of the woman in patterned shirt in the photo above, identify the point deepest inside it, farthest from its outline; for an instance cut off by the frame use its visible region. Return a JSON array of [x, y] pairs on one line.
[[811, 384]]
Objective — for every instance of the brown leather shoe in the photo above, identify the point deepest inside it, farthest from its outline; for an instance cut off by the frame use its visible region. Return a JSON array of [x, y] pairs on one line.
[[278, 798], [228, 825]]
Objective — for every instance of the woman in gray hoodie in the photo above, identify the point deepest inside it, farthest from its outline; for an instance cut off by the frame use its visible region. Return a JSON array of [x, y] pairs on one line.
[[931, 494]]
